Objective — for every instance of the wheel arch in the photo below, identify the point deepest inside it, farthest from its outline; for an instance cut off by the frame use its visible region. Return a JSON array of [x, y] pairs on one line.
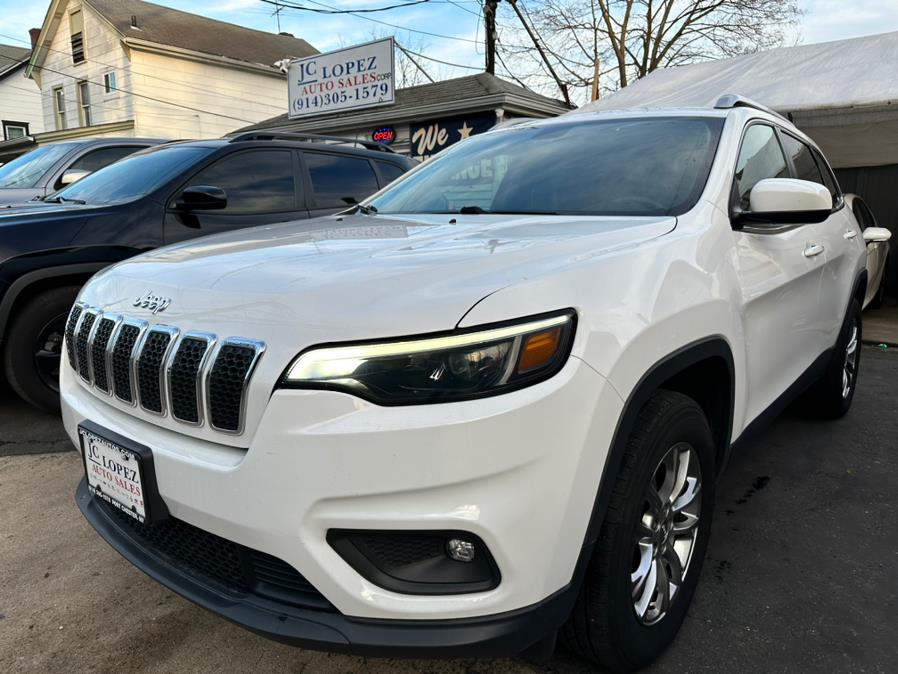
[[33, 282], [705, 371]]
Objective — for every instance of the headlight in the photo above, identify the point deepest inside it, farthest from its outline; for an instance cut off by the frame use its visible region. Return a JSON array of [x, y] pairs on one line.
[[460, 365]]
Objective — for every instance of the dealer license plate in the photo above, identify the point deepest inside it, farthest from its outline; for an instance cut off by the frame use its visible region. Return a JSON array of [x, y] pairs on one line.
[[114, 474]]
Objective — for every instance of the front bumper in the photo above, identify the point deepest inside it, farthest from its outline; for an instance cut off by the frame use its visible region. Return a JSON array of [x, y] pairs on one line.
[[493, 636], [520, 471]]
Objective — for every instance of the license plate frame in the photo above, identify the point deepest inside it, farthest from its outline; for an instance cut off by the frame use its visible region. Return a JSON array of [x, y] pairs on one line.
[[96, 441]]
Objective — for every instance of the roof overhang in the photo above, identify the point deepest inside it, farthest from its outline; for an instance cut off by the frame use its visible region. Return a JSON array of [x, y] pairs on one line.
[[84, 131], [10, 149], [136, 44]]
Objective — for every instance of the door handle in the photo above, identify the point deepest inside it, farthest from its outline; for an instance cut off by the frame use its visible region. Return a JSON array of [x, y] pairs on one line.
[[812, 249], [850, 234]]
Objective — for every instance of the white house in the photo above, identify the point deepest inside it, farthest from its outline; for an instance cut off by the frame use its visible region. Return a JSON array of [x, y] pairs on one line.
[[132, 68], [20, 98]]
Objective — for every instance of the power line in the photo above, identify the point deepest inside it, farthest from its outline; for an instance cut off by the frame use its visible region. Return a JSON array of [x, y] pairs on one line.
[[282, 4], [131, 93], [430, 58]]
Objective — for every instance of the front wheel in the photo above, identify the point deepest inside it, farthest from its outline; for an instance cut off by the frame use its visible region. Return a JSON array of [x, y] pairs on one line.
[[33, 349], [647, 561]]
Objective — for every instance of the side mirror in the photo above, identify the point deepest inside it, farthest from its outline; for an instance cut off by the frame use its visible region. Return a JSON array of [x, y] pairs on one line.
[[877, 235], [786, 201], [202, 198], [72, 176]]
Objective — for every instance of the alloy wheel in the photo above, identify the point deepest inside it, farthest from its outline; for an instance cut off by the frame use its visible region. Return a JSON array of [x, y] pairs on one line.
[[47, 353], [666, 533], [849, 368]]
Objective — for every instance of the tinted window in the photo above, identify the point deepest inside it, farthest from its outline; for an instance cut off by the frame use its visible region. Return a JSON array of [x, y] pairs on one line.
[[340, 181], [805, 166], [649, 166], [863, 214], [828, 178], [389, 172], [134, 176], [27, 170], [760, 157], [256, 181], [93, 161]]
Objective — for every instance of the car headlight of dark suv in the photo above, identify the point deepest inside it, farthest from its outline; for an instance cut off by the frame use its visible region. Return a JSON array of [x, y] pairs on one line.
[[459, 365]]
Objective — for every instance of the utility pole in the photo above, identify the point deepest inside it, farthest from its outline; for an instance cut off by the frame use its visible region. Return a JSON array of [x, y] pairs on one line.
[[561, 85], [595, 82], [489, 20]]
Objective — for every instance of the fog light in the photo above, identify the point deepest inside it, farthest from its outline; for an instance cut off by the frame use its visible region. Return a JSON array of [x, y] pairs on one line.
[[461, 551]]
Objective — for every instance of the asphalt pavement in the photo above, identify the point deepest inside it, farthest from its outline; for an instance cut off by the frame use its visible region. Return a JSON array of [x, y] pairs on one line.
[[800, 576]]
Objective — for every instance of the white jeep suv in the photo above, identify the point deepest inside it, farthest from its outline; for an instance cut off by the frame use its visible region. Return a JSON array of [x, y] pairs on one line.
[[487, 406]]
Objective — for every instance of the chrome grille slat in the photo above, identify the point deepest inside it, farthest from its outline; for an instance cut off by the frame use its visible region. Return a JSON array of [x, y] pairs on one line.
[[70, 327], [82, 343], [149, 367], [126, 339], [185, 377], [227, 381], [191, 377]]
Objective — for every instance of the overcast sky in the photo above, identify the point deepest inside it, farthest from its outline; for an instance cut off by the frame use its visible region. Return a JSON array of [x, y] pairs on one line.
[[823, 20]]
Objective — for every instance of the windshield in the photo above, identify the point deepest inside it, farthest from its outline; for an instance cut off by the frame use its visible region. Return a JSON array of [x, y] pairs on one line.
[[133, 177], [644, 166], [27, 170]]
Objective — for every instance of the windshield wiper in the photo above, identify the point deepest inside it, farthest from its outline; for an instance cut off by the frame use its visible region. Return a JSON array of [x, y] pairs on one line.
[[471, 210], [367, 210], [63, 200]]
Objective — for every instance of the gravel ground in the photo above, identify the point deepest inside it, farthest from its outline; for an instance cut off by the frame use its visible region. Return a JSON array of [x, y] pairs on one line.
[[800, 575]]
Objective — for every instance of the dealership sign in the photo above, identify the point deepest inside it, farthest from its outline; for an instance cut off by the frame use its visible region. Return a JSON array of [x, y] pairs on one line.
[[430, 137], [347, 79]]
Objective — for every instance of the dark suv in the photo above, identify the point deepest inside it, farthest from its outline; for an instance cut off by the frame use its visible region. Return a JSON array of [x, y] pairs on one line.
[[57, 165], [160, 195]]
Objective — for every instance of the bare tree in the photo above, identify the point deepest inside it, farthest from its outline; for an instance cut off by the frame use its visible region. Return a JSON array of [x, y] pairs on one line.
[[631, 38]]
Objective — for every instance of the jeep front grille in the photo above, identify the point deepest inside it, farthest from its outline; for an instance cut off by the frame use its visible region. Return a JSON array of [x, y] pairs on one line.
[[190, 376]]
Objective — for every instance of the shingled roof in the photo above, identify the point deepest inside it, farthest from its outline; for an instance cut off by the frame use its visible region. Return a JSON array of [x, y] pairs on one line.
[[460, 90], [175, 28], [12, 58]]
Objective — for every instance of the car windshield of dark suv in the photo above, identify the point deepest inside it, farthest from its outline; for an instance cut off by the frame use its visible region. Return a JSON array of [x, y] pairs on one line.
[[25, 171], [133, 177], [636, 167]]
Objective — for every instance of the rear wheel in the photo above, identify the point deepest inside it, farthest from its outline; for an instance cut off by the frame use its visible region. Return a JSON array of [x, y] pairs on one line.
[[831, 397], [647, 561], [33, 350]]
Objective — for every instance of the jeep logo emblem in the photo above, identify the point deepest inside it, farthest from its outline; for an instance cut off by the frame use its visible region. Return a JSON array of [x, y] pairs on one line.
[[154, 303]]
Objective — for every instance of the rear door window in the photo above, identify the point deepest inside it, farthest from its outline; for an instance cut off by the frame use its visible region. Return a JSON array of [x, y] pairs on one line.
[[760, 157], [339, 181], [389, 172], [97, 159]]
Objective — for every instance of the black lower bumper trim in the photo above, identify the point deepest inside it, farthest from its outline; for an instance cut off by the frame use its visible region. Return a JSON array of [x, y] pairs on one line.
[[500, 635]]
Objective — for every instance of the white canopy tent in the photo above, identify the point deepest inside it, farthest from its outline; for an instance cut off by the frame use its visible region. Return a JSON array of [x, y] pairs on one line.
[[843, 94]]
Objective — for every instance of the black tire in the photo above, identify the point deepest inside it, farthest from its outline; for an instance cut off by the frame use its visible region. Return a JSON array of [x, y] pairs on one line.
[[827, 399], [35, 325], [604, 626]]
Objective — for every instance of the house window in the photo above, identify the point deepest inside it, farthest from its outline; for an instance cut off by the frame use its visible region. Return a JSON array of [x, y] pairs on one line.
[[76, 28], [109, 83], [59, 108], [13, 130], [84, 103]]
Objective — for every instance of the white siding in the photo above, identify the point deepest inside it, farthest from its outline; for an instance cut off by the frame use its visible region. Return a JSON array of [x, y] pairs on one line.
[[20, 101], [222, 98], [103, 52]]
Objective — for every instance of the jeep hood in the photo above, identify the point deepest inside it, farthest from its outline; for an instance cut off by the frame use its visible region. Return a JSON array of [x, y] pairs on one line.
[[356, 277]]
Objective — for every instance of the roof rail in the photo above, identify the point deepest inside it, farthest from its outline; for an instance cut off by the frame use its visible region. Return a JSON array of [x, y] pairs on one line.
[[728, 101], [313, 137]]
